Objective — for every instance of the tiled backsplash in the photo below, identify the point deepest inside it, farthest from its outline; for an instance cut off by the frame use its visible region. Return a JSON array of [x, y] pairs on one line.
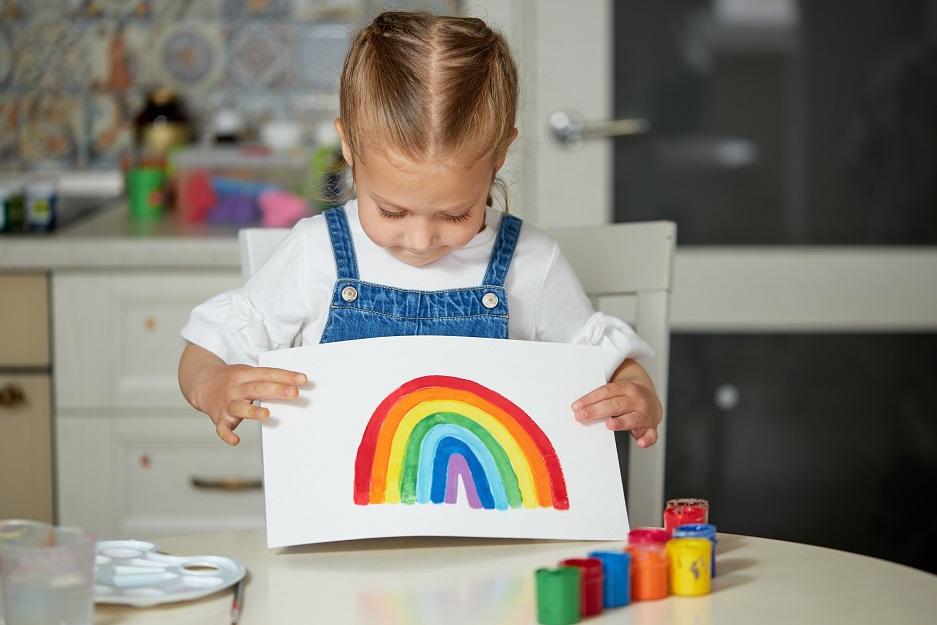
[[74, 73]]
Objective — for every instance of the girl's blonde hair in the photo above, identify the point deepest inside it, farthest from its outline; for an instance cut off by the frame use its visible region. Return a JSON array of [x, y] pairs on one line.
[[429, 87]]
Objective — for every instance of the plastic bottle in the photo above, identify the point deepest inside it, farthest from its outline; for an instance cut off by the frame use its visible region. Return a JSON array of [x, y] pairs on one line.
[[12, 218], [162, 126], [40, 202]]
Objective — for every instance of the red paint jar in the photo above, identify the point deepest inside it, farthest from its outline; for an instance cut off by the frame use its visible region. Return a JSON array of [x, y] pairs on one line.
[[649, 535], [591, 579], [684, 512], [650, 570]]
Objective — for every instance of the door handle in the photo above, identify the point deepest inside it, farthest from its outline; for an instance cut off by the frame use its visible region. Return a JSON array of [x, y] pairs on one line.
[[12, 395], [571, 130]]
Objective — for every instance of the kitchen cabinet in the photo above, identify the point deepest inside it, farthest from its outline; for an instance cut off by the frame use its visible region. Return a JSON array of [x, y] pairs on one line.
[[134, 459], [25, 398]]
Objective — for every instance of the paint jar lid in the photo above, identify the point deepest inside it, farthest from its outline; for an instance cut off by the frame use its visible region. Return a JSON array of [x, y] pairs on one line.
[[695, 530], [648, 555], [590, 568], [688, 502], [644, 535], [558, 595], [702, 546]]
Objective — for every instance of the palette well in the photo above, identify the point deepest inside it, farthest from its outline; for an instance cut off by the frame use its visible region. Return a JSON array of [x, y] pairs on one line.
[[131, 572]]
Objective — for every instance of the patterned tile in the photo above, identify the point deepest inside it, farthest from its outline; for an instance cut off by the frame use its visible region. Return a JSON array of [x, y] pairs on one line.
[[9, 132], [258, 54], [6, 57], [115, 8], [50, 9], [49, 55], [255, 8], [318, 54], [186, 9], [111, 127], [12, 9], [189, 54], [119, 54], [52, 129], [312, 10]]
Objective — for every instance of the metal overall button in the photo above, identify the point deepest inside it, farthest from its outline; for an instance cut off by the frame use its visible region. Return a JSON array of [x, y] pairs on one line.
[[349, 294], [489, 300]]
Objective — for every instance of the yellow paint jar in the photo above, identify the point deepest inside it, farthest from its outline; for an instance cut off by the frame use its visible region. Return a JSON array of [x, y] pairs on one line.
[[690, 561]]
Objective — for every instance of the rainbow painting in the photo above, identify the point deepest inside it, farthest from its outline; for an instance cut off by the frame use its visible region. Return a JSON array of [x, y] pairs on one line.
[[435, 430]]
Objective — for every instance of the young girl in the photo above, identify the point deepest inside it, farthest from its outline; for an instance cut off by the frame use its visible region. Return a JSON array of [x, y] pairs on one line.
[[428, 108]]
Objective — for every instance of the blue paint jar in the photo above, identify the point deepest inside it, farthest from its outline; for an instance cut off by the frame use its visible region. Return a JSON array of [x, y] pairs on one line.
[[617, 585], [699, 530]]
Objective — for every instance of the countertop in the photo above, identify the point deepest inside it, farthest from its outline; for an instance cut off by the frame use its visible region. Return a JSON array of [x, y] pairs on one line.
[[109, 239]]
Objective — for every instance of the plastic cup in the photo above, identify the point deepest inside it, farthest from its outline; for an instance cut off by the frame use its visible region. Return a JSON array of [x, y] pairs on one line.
[[146, 192], [46, 574]]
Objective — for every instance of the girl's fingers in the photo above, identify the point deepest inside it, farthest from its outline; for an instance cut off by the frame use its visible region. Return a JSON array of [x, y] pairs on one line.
[[226, 433]]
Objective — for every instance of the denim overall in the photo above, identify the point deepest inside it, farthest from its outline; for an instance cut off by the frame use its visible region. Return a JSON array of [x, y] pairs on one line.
[[365, 310]]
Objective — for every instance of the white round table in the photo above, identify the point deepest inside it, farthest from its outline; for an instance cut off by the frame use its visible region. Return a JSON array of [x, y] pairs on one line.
[[456, 581]]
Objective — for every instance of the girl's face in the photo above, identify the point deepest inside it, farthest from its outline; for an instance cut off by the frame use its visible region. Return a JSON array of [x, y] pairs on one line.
[[419, 212]]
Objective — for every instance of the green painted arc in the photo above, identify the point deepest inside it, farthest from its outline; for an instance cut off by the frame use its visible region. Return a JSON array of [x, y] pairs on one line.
[[411, 457]]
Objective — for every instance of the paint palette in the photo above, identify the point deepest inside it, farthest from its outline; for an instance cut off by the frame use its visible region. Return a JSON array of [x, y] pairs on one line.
[[131, 572]]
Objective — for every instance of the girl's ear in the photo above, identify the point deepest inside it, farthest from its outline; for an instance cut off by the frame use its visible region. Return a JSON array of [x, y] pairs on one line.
[[504, 154], [346, 151]]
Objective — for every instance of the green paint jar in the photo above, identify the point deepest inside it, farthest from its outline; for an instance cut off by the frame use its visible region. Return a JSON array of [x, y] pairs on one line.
[[558, 595]]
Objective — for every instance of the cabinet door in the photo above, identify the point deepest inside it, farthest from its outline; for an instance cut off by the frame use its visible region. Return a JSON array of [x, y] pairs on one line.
[[117, 340], [24, 320], [25, 447], [148, 477]]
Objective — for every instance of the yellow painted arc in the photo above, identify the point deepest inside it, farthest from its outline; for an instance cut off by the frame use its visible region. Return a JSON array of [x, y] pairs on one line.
[[519, 461]]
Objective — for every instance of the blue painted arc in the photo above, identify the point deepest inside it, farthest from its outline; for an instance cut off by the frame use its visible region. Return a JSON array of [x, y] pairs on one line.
[[429, 449], [448, 447]]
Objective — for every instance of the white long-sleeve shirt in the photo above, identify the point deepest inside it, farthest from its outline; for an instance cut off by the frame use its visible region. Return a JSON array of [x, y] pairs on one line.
[[290, 294]]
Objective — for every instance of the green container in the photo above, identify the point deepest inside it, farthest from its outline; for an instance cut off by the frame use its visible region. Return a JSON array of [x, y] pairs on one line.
[[558, 595], [146, 192]]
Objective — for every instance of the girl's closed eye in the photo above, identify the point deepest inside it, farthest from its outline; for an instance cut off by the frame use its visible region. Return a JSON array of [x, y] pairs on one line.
[[458, 218], [386, 214]]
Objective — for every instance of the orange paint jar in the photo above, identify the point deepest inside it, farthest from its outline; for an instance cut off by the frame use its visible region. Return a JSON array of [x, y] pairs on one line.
[[650, 570]]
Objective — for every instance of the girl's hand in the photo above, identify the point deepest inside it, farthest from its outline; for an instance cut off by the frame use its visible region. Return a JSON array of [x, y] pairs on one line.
[[628, 402], [226, 393]]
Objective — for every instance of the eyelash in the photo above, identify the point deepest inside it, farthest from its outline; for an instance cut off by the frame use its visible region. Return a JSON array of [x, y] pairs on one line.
[[453, 218]]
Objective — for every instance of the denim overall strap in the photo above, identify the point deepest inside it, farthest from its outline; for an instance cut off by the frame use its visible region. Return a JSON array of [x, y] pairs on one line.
[[360, 309], [346, 263], [503, 251]]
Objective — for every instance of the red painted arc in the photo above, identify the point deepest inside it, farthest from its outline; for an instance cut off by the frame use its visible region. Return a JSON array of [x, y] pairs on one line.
[[365, 456]]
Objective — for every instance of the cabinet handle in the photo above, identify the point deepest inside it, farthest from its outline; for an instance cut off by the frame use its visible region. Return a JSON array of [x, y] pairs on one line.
[[12, 395], [227, 483]]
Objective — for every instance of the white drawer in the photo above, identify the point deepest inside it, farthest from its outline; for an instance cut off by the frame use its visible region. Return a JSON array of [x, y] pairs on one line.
[[137, 477], [117, 340]]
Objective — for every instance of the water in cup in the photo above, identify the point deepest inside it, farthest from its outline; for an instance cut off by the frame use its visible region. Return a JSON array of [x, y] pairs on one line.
[[46, 574]]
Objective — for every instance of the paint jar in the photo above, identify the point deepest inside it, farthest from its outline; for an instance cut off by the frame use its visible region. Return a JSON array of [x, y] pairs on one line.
[[558, 595], [649, 569], [700, 530], [684, 511], [690, 559], [12, 217], [591, 582], [616, 565], [649, 535]]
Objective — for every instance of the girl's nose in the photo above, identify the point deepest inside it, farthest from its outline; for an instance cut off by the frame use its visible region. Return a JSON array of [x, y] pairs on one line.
[[421, 237]]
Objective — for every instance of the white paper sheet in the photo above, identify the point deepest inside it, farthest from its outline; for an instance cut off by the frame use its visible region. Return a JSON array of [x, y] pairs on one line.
[[439, 436]]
